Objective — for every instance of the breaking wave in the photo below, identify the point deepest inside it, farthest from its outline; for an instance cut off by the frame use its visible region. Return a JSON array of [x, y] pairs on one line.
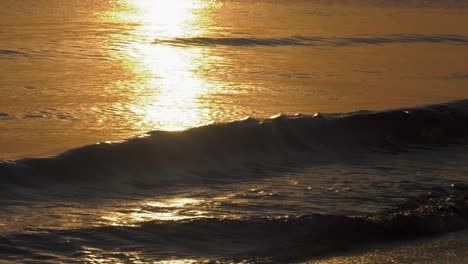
[[244, 140]]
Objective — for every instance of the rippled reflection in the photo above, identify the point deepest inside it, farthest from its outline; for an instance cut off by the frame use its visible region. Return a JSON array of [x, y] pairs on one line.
[[169, 84], [179, 261], [179, 202], [161, 210], [95, 255]]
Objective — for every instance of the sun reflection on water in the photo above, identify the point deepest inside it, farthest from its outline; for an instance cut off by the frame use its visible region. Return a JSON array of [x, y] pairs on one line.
[[167, 19], [174, 103], [169, 79]]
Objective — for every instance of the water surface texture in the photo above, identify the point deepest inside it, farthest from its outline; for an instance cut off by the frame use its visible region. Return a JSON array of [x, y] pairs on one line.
[[262, 131], [81, 72]]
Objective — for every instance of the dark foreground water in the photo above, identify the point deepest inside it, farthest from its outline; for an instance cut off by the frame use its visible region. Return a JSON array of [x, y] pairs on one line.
[[285, 189]]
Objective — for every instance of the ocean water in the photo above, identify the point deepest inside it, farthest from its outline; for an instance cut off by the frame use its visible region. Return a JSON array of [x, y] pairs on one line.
[[263, 131]]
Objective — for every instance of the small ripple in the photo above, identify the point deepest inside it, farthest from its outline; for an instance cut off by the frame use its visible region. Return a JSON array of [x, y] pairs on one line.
[[5, 116], [10, 52], [457, 77], [47, 115]]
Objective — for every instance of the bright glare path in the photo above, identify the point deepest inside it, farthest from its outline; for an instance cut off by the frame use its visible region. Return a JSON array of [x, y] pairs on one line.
[[168, 81], [166, 19]]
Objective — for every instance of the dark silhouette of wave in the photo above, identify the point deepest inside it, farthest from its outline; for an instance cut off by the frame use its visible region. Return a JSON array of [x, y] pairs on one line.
[[281, 137]]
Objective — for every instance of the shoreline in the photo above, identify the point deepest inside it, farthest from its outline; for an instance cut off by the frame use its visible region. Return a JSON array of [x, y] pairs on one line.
[[449, 247]]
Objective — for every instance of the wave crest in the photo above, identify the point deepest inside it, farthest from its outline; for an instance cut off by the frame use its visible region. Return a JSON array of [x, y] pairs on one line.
[[248, 139]]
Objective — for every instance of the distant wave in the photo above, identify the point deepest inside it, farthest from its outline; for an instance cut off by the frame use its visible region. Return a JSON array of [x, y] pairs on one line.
[[249, 139], [5, 116], [281, 240], [456, 77], [48, 114], [313, 41], [9, 52]]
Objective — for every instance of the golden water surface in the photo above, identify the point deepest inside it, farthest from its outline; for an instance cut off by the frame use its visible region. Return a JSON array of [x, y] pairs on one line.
[[80, 72]]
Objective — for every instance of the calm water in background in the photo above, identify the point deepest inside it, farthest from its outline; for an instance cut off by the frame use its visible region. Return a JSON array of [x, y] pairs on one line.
[[81, 72], [74, 73]]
